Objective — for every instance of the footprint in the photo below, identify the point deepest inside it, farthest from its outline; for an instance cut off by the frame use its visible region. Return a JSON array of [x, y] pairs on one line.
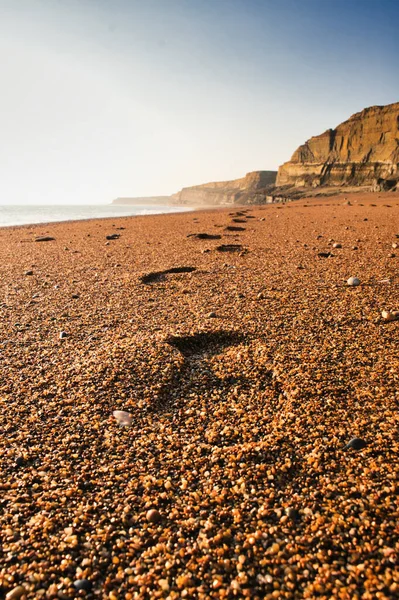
[[205, 342], [160, 275], [232, 228], [230, 248], [205, 236]]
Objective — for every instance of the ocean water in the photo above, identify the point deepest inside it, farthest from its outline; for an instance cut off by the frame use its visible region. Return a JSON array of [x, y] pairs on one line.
[[29, 215]]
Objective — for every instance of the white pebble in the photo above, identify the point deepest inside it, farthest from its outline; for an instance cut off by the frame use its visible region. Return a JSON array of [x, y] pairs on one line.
[[123, 418], [352, 281], [390, 315]]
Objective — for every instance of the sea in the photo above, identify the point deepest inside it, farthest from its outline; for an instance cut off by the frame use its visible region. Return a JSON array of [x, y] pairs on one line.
[[29, 215]]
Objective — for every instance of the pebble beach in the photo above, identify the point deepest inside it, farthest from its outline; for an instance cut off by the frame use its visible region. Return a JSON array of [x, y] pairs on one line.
[[259, 457]]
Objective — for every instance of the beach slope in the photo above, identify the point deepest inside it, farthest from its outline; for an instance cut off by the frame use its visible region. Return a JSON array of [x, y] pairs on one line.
[[248, 367]]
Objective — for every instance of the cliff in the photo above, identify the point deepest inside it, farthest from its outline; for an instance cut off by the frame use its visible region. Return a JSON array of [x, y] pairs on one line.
[[237, 191], [364, 150]]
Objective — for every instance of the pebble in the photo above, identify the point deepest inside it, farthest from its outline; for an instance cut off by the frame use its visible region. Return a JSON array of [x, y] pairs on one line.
[[356, 444], [353, 281], [83, 584], [16, 593], [211, 315], [28, 272], [153, 515], [337, 245], [390, 315], [395, 245], [123, 418], [63, 335], [19, 461], [291, 513]]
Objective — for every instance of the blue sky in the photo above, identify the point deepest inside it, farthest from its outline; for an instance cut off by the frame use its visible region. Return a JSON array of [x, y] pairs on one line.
[[138, 97]]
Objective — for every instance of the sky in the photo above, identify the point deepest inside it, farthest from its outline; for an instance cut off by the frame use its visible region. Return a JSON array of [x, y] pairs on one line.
[[108, 98]]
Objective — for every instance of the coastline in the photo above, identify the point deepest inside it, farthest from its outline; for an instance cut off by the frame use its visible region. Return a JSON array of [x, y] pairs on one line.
[[116, 216], [246, 374]]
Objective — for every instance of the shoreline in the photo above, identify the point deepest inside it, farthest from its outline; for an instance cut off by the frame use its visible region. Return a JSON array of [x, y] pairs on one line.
[[247, 365], [188, 209]]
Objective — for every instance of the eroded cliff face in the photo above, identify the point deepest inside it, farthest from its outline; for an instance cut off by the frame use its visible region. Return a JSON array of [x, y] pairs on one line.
[[237, 191], [364, 150]]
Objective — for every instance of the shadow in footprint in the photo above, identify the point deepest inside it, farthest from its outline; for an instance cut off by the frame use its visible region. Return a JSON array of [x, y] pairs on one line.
[[230, 248], [205, 236], [238, 220], [232, 228], [160, 275], [205, 342]]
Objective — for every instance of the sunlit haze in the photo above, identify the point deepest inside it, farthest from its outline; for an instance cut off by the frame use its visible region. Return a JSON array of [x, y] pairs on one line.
[[102, 99]]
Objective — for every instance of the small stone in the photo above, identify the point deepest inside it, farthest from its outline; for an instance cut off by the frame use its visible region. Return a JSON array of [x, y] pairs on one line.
[[63, 335], [355, 248], [153, 516], [83, 584], [16, 593], [337, 245], [356, 444], [123, 418], [75, 296], [390, 315], [395, 245], [28, 272], [211, 315], [391, 255], [164, 585], [291, 513], [274, 548], [353, 281], [19, 461], [113, 236]]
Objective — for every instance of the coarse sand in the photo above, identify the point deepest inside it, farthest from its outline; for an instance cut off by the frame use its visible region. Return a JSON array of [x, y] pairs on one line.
[[247, 367]]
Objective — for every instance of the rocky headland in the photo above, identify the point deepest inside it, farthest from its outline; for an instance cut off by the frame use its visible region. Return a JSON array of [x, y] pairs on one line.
[[362, 151], [361, 154], [246, 190]]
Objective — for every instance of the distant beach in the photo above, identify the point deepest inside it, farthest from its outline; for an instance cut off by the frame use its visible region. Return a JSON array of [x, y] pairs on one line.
[[30, 215]]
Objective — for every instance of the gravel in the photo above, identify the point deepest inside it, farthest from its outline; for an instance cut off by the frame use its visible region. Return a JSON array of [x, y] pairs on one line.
[[238, 423]]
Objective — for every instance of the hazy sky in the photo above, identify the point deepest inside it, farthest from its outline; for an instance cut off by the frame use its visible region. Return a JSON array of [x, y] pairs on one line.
[[107, 98]]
